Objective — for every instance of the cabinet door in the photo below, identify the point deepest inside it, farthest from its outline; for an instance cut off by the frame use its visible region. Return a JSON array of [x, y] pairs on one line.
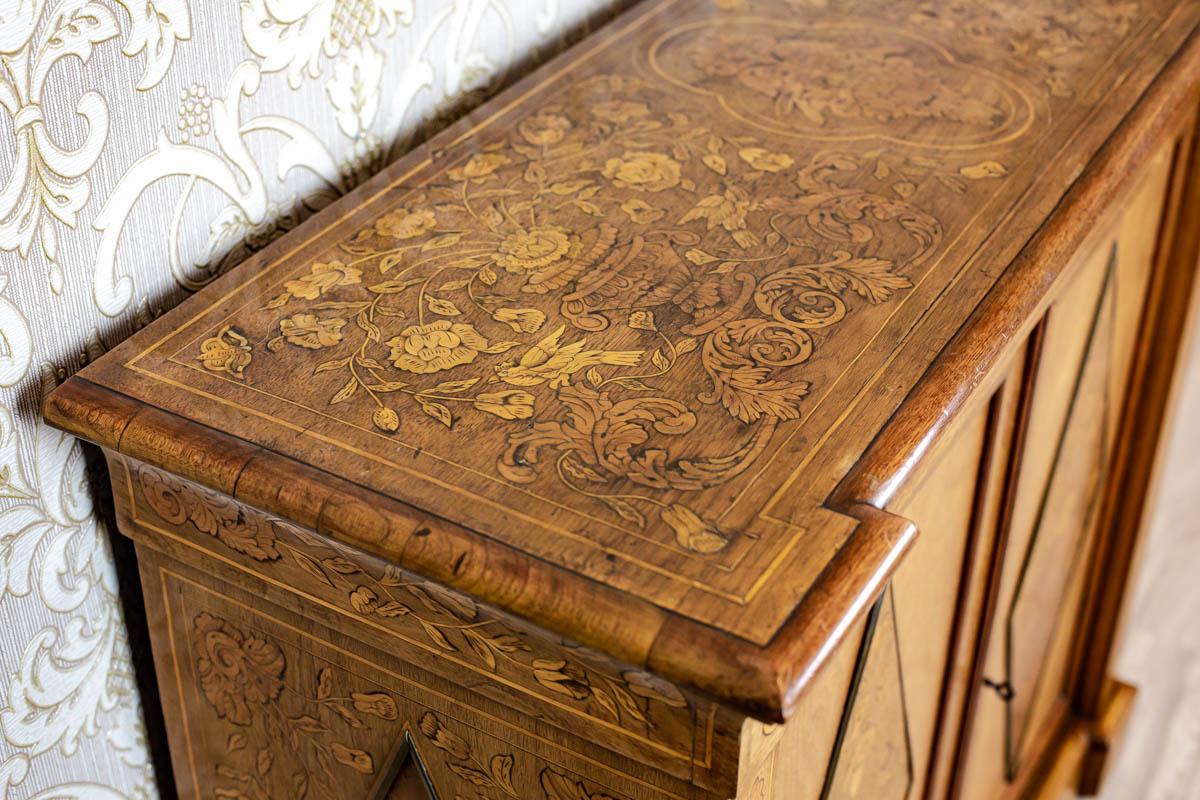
[[939, 589], [882, 719], [871, 723], [1081, 358]]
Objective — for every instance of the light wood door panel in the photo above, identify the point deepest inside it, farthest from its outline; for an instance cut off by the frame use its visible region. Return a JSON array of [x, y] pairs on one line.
[[874, 756], [1078, 389], [871, 725], [790, 761], [928, 586]]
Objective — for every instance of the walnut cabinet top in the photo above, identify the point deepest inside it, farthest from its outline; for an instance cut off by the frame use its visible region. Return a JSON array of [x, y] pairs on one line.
[[627, 350]]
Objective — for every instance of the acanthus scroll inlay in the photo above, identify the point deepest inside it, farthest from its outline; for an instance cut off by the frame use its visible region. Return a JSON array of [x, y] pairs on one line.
[[181, 503], [1051, 40], [545, 280], [495, 774]]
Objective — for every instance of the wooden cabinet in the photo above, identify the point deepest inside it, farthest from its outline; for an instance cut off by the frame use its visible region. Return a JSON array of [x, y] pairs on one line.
[[760, 401], [1080, 367]]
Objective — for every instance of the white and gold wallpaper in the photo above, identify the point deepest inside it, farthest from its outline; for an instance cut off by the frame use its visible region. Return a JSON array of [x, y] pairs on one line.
[[146, 146]]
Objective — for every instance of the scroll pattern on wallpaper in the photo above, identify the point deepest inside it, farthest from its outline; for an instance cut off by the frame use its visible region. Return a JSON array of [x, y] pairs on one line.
[[138, 132]]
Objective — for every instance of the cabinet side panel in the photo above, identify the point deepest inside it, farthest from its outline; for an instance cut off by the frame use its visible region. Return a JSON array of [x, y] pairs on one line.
[[789, 762], [272, 705], [586, 702]]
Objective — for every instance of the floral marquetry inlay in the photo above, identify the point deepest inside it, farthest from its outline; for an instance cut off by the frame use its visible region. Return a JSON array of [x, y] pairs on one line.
[[181, 503], [276, 712], [284, 739], [570, 281], [445, 623], [495, 774], [1050, 40], [638, 318], [332, 739]]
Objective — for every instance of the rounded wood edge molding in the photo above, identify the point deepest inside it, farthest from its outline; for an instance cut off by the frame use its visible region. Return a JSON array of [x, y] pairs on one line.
[[349, 513], [767, 682], [83, 409], [763, 682]]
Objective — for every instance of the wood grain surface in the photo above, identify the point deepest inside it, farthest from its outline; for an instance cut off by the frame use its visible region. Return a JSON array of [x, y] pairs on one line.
[[582, 454], [617, 353]]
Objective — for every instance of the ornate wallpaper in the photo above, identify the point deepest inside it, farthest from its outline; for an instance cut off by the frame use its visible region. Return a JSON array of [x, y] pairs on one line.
[[146, 146]]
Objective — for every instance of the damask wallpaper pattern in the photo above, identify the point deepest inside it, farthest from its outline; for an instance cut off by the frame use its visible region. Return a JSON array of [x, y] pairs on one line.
[[146, 146]]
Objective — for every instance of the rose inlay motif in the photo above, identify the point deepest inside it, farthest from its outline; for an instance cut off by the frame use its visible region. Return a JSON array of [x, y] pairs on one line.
[[404, 224], [624, 286], [649, 172], [534, 250], [435, 347], [235, 669], [543, 129]]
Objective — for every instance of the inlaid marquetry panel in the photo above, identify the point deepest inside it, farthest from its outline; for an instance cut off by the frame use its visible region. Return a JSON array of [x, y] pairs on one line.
[[842, 81], [270, 710], [292, 726], [440, 629], [611, 322]]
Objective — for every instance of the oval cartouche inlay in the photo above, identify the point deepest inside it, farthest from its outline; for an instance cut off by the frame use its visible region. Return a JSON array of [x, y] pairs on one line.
[[842, 82]]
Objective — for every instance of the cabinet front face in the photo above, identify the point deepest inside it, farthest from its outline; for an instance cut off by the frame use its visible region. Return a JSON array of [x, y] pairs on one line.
[[960, 679], [1078, 367], [267, 633]]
